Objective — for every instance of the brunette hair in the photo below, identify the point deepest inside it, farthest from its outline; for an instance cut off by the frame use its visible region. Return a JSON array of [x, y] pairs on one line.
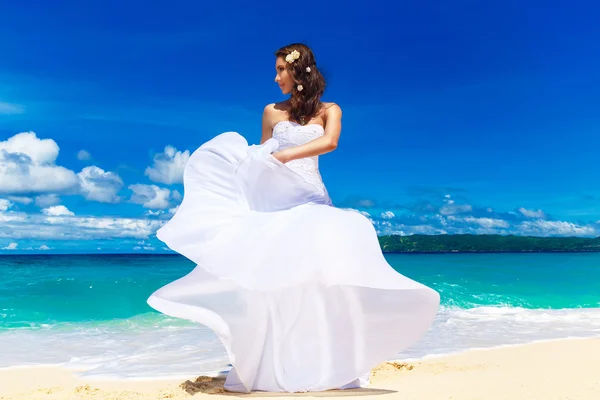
[[305, 103]]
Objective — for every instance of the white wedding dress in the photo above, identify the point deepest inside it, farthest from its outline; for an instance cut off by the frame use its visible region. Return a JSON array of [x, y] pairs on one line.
[[297, 290]]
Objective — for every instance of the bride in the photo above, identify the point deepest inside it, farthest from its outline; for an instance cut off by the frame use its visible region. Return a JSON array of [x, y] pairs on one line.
[[297, 289]]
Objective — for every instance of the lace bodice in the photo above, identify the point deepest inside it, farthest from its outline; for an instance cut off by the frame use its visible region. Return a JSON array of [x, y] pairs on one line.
[[290, 134]]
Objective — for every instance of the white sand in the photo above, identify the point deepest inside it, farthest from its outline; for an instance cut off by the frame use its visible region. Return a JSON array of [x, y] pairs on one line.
[[564, 369]]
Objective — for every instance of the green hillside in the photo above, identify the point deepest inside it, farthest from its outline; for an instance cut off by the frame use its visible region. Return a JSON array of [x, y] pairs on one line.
[[484, 243]]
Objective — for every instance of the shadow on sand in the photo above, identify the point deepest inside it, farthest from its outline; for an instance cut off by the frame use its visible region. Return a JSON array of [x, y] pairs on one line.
[[212, 385]]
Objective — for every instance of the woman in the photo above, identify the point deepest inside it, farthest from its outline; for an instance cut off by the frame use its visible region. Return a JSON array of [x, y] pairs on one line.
[[297, 290]]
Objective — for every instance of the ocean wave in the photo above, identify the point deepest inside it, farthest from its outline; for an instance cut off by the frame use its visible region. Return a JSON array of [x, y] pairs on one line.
[[141, 347], [457, 329]]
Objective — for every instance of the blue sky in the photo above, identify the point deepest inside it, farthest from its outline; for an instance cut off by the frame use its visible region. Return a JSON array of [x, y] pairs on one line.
[[459, 117]]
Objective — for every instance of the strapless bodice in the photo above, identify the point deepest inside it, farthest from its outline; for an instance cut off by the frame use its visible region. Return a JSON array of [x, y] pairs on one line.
[[290, 134]]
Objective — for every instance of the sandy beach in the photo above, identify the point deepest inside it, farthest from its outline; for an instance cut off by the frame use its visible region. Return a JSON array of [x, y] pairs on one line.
[[562, 369]]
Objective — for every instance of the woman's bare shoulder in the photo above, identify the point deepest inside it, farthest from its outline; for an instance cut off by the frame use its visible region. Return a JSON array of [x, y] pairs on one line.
[[269, 108], [280, 106], [331, 110], [274, 112]]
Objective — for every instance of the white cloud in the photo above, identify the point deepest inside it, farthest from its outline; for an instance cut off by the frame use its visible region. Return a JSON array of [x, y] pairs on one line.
[[473, 225], [152, 196], [40, 151], [20, 199], [11, 108], [98, 185], [154, 213], [57, 211], [387, 215], [440, 224], [6, 217], [391, 226], [5, 204], [44, 247], [405, 230], [168, 166], [487, 222], [450, 208], [66, 227], [425, 230], [150, 248], [47, 200], [552, 228], [27, 164], [532, 213], [11, 246], [83, 155]]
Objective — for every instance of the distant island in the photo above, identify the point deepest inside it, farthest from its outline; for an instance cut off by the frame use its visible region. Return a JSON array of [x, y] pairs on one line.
[[448, 243], [468, 243]]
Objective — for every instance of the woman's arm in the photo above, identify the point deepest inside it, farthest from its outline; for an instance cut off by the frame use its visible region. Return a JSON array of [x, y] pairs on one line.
[[267, 129], [324, 144]]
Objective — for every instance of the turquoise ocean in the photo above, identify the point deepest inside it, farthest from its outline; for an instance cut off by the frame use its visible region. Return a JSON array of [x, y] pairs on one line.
[[89, 312]]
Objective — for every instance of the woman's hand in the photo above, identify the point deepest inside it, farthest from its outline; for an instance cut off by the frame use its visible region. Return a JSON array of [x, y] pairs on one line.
[[282, 156]]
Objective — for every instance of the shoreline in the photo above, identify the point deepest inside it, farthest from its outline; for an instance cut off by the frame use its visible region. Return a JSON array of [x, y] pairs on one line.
[[491, 348], [548, 369], [425, 358]]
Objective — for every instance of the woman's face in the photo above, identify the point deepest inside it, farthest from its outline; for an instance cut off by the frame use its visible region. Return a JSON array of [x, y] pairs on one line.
[[283, 78]]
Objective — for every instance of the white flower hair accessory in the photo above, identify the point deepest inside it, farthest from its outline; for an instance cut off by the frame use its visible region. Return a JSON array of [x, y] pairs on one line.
[[308, 69], [300, 87], [293, 56]]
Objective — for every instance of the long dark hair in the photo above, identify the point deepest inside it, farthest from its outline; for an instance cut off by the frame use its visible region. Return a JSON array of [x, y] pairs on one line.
[[305, 103]]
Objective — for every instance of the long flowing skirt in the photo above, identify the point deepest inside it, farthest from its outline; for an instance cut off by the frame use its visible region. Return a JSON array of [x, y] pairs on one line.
[[297, 290]]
